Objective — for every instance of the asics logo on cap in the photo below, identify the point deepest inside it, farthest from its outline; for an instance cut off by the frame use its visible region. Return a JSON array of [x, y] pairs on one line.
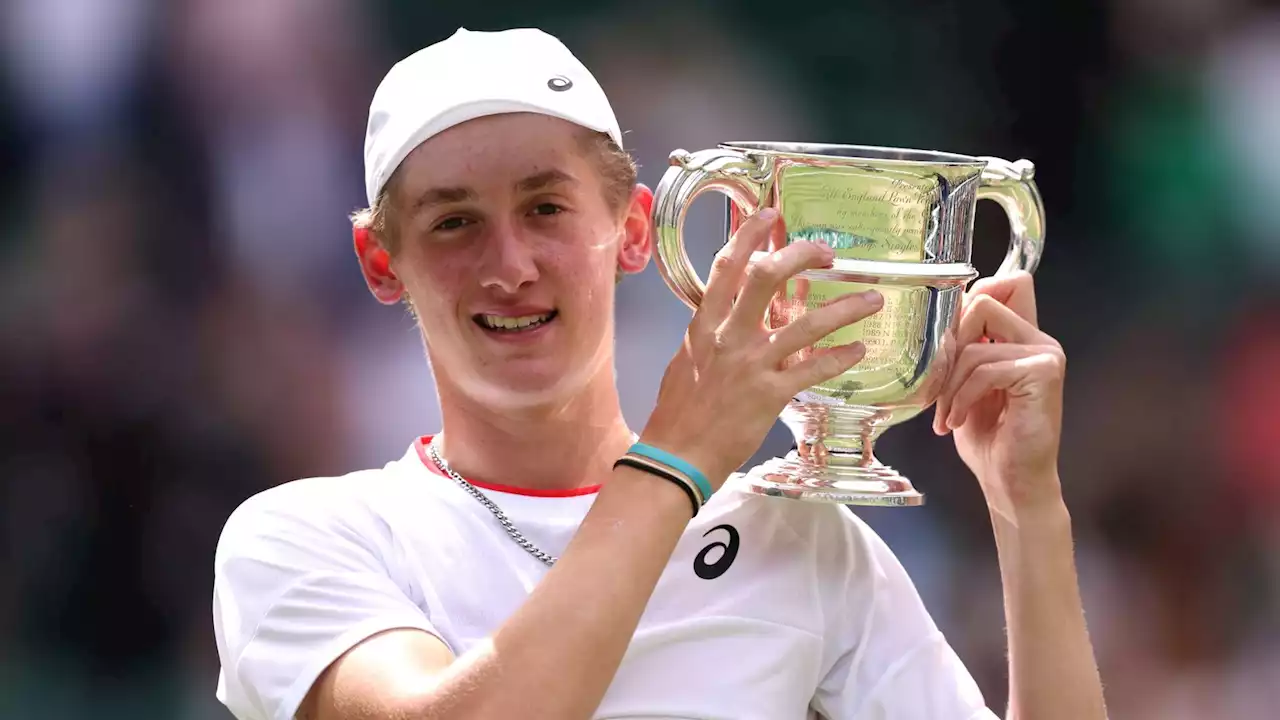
[[559, 83]]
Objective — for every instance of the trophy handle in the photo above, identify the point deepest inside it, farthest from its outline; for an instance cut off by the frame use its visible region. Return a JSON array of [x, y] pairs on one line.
[[1011, 185], [726, 171]]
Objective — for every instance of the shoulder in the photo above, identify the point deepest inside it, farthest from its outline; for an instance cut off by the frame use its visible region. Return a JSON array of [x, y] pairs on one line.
[[302, 572], [831, 543], [314, 511], [824, 554]]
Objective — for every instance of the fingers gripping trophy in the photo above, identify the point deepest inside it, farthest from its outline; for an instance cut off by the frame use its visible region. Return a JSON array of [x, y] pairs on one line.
[[899, 222]]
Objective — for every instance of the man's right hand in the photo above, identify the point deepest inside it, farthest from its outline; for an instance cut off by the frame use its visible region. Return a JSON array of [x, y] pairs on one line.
[[730, 373]]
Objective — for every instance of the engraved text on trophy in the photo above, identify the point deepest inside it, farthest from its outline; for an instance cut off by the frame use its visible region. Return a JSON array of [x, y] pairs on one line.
[[872, 216], [864, 216]]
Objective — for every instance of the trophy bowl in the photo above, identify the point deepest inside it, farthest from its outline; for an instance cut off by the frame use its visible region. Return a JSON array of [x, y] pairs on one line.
[[900, 222]]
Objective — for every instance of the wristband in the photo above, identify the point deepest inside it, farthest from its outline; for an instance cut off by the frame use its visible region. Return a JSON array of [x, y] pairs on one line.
[[654, 469], [665, 458]]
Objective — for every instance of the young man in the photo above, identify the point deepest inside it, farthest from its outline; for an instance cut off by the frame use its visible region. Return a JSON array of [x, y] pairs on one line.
[[502, 209]]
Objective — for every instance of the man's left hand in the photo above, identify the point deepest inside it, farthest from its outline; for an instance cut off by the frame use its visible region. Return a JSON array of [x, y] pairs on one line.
[[1003, 396]]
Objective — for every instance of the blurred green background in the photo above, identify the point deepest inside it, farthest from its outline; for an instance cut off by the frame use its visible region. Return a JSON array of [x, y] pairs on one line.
[[182, 325]]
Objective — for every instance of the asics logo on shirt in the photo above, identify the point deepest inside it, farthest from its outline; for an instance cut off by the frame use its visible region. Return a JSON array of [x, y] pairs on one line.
[[719, 566]]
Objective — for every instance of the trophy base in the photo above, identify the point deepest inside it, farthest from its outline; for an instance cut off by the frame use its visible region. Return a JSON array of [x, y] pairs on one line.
[[873, 484]]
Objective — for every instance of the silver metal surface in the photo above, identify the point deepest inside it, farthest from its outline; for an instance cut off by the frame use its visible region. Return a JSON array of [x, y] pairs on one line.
[[512, 531], [901, 222]]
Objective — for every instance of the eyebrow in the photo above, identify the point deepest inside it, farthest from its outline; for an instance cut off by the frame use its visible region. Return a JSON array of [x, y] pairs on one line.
[[532, 183], [544, 180], [441, 196]]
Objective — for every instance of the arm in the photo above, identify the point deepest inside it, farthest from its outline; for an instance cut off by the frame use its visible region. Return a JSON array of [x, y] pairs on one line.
[[556, 656], [1052, 672], [1003, 401]]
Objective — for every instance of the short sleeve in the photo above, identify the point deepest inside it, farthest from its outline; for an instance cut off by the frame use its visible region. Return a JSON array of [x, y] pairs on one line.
[[299, 579], [894, 662]]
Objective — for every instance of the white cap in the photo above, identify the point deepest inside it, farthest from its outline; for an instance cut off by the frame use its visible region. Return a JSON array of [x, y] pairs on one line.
[[470, 75]]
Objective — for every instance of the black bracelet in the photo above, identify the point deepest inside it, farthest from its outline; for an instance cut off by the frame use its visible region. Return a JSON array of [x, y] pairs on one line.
[[666, 475]]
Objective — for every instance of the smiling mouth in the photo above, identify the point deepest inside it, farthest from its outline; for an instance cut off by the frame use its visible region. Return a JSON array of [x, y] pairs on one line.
[[506, 324]]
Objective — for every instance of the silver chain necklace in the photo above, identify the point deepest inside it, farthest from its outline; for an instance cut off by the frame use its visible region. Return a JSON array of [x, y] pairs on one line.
[[497, 513]]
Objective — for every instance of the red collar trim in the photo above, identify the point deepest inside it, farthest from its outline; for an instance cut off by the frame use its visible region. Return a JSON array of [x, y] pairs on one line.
[[421, 446]]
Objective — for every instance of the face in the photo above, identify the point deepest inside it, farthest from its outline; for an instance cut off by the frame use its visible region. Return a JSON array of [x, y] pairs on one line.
[[509, 252]]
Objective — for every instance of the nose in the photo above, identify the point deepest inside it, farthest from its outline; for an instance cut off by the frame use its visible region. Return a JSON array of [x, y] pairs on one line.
[[508, 263]]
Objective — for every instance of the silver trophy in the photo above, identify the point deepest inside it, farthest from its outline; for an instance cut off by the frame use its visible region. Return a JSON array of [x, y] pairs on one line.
[[901, 222]]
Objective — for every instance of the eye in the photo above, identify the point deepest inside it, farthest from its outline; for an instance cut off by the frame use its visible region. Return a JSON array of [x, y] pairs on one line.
[[452, 223], [547, 208]]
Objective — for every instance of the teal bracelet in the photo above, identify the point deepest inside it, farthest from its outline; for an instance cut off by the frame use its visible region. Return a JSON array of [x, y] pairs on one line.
[[671, 461]]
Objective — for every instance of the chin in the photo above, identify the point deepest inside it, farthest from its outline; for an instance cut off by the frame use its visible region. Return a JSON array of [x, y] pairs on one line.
[[527, 388]]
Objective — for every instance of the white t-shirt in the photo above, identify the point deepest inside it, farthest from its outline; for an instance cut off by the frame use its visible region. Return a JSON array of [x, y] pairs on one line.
[[800, 610]]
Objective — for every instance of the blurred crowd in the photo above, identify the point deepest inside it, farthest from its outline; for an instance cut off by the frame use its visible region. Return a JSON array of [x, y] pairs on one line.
[[182, 323]]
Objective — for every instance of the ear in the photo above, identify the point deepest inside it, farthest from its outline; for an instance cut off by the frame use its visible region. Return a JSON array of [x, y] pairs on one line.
[[375, 265], [637, 236]]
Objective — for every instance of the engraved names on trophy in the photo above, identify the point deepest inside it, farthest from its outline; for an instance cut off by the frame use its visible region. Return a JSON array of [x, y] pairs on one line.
[[884, 331], [891, 336]]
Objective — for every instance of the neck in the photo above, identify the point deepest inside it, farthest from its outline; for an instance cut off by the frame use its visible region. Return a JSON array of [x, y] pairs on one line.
[[569, 445]]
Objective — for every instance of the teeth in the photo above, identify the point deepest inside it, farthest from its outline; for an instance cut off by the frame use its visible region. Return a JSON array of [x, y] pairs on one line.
[[499, 322]]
